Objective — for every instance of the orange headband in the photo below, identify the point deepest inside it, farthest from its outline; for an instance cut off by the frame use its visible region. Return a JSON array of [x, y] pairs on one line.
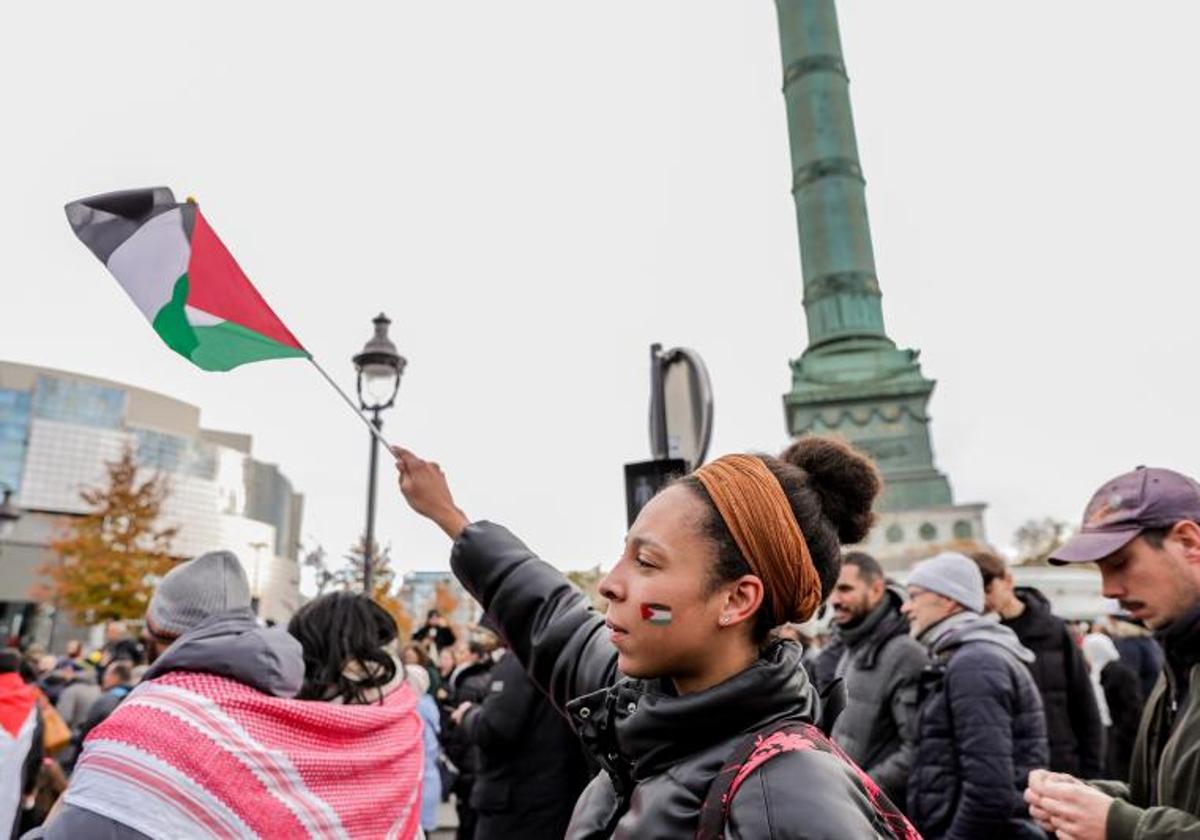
[[759, 516]]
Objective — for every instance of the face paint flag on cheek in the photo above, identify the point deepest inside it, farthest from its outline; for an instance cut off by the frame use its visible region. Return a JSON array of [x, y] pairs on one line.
[[656, 613]]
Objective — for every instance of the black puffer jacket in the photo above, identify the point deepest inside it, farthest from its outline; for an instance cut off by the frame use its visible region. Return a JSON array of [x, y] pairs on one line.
[[980, 731], [1072, 718], [660, 752], [531, 766]]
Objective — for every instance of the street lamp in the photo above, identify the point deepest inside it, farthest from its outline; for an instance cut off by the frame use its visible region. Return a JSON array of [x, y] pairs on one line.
[[9, 514], [379, 367]]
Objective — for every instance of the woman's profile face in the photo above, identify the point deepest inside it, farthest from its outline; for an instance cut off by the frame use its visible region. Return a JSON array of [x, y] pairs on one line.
[[662, 616], [409, 657]]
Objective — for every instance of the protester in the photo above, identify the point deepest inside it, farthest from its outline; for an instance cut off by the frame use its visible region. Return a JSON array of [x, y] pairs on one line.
[[117, 683], [50, 678], [431, 781], [208, 745], [1119, 697], [531, 767], [50, 784], [682, 681], [1138, 650], [437, 630], [469, 683], [21, 748], [77, 696], [74, 654], [880, 664], [415, 654], [981, 728], [1142, 530], [1072, 720], [349, 646], [119, 645]]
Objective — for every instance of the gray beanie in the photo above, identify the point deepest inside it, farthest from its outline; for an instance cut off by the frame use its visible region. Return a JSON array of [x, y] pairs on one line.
[[951, 574], [192, 591]]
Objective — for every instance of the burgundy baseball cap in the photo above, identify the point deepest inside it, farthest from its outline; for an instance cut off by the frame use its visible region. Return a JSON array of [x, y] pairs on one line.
[[1122, 508]]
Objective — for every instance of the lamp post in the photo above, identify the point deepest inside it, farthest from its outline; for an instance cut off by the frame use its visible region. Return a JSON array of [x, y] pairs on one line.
[[9, 513], [256, 587], [379, 367]]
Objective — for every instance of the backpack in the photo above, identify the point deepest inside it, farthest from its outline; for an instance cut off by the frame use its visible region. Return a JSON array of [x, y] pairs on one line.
[[757, 748]]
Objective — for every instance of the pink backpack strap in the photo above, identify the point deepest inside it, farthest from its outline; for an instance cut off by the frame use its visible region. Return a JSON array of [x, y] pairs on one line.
[[757, 748]]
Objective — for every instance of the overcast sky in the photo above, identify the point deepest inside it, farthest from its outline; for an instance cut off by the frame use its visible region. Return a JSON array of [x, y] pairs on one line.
[[536, 191]]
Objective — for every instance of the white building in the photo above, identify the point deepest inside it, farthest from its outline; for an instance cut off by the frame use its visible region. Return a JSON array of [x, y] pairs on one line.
[[57, 431]]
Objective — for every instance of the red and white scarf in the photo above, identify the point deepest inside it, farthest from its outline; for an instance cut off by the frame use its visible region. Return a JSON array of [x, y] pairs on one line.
[[18, 725], [198, 755]]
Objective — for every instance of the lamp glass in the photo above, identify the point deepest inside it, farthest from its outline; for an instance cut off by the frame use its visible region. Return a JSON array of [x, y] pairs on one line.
[[378, 383]]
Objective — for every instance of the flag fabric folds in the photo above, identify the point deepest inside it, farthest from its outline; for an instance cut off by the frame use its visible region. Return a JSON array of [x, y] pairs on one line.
[[176, 270]]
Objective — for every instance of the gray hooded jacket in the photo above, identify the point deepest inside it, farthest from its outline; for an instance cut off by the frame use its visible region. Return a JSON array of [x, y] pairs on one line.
[[230, 644], [881, 666]]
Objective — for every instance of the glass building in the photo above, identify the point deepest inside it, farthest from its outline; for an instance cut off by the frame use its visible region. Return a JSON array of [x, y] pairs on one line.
[[59, 429]]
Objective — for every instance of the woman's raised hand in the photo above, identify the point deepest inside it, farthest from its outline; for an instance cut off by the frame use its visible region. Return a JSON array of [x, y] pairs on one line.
[[426, 491]]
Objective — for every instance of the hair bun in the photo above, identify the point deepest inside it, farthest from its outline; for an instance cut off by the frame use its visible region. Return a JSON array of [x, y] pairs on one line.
[[845, 479]]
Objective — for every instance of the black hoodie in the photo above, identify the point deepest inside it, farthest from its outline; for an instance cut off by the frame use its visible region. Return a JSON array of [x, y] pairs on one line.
[[1072, 719]]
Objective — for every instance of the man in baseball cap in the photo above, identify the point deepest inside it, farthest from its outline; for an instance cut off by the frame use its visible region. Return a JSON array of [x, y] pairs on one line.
[[1143, 530]]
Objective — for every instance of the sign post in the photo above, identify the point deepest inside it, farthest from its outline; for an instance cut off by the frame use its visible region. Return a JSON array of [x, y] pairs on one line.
[[681, 413]]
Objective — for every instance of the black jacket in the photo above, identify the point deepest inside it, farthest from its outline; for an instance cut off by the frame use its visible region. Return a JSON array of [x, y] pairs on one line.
[[659, 752], [1161, 801], [1123, 694], [980, 731], [468, 685], [531, 766], [1072, 719], [1144, 656]]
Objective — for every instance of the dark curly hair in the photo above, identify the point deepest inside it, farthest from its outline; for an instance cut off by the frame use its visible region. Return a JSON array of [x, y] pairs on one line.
[[831, 487], [338, 630]]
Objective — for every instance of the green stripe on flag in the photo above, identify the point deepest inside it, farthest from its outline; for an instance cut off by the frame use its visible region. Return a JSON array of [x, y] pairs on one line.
[[171, 322], [227, 345]]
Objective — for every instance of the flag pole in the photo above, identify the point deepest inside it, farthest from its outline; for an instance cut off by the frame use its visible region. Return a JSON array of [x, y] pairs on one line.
[[358, 413]]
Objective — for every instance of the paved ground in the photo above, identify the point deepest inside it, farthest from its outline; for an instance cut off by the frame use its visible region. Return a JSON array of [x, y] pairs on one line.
[[447, 822]]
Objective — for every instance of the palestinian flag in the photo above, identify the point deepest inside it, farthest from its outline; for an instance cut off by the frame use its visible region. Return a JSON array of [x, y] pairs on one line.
[[186, 283], [656, 613]]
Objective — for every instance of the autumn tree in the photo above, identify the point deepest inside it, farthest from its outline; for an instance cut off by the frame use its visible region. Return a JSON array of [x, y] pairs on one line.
[[383, 581], [109, 561], [444, 599], [1037, 539], [316, 559]]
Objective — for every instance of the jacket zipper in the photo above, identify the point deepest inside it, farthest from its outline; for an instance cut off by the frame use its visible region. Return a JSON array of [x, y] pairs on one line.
[[1175, 727]]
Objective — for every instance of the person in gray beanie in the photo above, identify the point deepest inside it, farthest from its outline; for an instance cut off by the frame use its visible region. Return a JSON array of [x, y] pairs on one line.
[[981, 729], [199, 620]]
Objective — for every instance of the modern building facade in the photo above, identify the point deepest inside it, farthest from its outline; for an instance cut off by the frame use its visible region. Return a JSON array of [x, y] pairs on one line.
[[57, 431]]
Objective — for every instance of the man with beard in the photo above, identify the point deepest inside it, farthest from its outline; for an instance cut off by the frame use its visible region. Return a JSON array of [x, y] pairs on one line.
[[880, 664], [1143, 530]]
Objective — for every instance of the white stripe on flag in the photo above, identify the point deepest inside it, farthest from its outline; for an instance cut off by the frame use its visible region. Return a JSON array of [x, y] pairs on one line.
[[200, 318], [148, 263]]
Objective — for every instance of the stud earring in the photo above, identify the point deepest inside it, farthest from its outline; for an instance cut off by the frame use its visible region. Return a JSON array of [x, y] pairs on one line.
[[724, 619]]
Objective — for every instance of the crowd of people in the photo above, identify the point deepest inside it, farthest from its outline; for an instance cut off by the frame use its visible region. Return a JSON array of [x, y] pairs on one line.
[[951, 704]]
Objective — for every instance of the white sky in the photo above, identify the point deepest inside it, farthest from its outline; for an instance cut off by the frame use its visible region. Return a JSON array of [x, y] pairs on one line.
[[536, 191]]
